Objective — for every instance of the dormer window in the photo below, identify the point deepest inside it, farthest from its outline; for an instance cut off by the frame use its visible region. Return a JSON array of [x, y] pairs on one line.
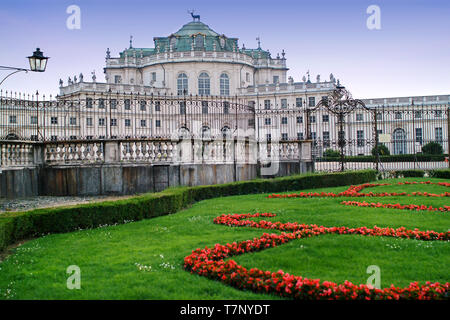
[[198, 41], [222, 42], [173, 41]]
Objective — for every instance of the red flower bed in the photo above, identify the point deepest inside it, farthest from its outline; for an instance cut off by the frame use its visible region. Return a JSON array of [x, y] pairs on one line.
[[354, 191], [209, 262], [414, 207]]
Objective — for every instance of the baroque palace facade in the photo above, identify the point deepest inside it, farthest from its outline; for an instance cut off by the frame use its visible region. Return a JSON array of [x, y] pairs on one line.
[[201, 83]]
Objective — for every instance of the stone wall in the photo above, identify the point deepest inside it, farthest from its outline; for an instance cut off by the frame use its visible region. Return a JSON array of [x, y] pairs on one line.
[[107, 168]]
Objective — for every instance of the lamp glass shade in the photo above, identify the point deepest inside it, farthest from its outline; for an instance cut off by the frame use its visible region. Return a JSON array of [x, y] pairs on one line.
[[38, 62], [32, 63]]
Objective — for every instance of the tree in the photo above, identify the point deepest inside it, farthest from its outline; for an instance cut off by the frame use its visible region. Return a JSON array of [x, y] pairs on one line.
[[432, 148], [382, 150]]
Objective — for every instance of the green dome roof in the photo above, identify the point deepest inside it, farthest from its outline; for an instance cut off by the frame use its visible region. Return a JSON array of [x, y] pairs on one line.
[[195, 27]]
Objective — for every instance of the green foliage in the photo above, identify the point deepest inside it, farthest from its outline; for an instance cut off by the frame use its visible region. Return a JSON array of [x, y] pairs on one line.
[[432, 148], [409, 173], [382, 150], [330, 153], [15, 226], [391, 158], [441, 173]]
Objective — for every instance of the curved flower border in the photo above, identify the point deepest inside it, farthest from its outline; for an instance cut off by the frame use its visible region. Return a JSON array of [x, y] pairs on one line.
[[413, 207], [354, 191], [210, 262]]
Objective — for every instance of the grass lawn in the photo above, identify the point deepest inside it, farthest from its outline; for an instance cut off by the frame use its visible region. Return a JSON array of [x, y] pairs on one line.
[[111, 258]]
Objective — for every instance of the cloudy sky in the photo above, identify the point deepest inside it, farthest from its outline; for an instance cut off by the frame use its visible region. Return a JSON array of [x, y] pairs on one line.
[[409, 55]]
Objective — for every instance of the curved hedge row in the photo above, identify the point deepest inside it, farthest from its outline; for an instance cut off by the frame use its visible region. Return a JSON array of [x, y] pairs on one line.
[[15, 226]]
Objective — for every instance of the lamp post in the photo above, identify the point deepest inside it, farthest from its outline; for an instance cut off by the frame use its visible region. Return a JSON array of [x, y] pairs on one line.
[[38, 63]]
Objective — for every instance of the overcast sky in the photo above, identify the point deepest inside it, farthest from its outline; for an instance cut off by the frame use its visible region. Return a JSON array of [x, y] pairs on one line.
[[409, 55]]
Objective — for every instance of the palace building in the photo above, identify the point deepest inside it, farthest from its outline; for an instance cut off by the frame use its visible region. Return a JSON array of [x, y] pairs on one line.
[[199, 82]]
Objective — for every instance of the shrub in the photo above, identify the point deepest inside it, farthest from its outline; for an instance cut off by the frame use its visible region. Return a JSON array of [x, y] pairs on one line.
[[440, 173], [390, 158], [15, 226], [432, 148], [409, 173], [382, 150], [330, 153]]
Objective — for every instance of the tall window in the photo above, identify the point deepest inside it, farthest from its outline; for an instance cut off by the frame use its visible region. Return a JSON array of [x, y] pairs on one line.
[[182, 107], [360, 138], [226, 107], [311, 101], [326, 139], [127, 103], [266, 104], [399, 140], [204, 107], [203, 84], [182, 84], [298, 102], [283, 103], [224, 85], [438, 135], [143, 105], [419, 135]]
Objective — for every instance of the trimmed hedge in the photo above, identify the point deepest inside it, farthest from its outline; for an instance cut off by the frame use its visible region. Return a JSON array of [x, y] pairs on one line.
[[390, 158], [440, 173], [409, 173], [15, 226]]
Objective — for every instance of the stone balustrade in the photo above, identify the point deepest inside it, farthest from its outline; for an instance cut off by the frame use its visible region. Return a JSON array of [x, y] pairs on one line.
[[16, 154], [148, 151], [155, 151], [165, 57], [73, 152]]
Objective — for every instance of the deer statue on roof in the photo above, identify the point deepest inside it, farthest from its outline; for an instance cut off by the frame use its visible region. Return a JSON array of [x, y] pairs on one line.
[[194, 16]]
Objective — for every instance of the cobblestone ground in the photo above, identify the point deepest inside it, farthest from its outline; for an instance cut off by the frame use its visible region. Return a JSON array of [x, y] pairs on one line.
[[25, 204]]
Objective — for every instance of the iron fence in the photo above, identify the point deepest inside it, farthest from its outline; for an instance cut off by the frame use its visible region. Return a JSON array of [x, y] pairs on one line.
[[382, 137]]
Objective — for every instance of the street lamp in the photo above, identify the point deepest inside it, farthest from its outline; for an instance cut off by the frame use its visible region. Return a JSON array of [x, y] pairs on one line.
[[38, 63]]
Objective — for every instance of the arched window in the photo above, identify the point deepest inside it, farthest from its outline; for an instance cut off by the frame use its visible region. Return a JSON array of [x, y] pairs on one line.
[[206, 132], [399, 139], [224, 85], [203, 84], [12, 136], [182, 84], [226, 132], [183, 132]]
